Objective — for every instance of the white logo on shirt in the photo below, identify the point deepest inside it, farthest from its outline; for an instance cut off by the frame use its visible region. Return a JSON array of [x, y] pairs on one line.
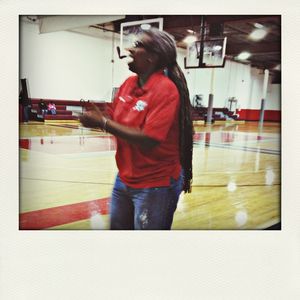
[[140, 105]]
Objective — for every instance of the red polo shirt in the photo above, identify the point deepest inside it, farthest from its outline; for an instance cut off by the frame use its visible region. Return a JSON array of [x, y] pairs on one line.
[[154, 109]]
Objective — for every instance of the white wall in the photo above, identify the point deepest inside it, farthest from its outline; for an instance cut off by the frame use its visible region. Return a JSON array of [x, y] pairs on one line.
[[67, 65], [234, 80], [273, 99]]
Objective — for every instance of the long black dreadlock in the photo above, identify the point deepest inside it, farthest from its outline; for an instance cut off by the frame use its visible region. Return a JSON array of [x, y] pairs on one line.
[[164, 46]]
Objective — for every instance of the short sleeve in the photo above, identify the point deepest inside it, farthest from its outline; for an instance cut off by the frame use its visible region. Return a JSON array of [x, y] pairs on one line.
[[111, 108], [163, 111]]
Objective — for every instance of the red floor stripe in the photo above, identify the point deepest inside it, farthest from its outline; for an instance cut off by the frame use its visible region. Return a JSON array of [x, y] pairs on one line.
[[55, 216]]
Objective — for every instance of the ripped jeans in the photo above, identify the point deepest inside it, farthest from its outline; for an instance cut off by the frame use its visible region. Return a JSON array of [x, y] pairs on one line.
[[147, 208]]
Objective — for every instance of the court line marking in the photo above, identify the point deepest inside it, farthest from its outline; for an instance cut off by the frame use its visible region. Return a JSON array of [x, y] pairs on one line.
[[111, 184], [237, 185], [66, 181], [49, 137], [76, 127], [232, 147], [82, 155], [59, 215]]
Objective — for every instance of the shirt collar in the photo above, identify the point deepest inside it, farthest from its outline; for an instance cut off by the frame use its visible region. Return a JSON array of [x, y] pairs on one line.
[[139, 91]]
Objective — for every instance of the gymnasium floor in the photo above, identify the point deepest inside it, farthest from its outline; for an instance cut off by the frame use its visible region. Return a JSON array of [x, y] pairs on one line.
[[67, 173]]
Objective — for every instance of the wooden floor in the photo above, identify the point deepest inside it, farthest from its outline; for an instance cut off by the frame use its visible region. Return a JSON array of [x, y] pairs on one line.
[[67, 173]]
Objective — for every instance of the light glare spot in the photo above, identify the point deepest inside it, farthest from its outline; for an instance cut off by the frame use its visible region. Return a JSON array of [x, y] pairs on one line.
[[190, 39], [241, 217], [217, 48], [231, 187], [145, 26], [270, 177], [96, 221]]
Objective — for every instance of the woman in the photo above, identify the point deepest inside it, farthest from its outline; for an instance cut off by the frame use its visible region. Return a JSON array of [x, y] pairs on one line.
[[51, 108], [152, 123], [43, 107]]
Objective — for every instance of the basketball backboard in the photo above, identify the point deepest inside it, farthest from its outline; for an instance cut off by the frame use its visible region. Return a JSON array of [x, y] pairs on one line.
[[209, 53], [131, 30]]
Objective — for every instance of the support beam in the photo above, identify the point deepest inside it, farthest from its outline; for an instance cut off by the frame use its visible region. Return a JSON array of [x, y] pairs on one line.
[[235, 49], [59, 23], [264, 95], [211, 98], [210, 109]]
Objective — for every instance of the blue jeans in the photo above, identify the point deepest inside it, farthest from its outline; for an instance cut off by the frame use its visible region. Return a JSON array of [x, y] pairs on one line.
[[145, 208]]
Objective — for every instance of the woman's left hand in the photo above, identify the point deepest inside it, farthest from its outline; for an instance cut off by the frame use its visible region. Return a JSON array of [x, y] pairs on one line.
[[93, 117]]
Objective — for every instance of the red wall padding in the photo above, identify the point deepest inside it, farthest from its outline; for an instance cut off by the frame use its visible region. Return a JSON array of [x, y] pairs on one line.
[[59, 102], [272, 115], [245, 114], [253, 115]]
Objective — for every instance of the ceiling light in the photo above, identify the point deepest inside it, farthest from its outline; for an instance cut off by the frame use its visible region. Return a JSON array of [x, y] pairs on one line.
[[277, 68], [145, 26], [190, 31], [243, 55], [190, 39], [258, 34], [258, 25]]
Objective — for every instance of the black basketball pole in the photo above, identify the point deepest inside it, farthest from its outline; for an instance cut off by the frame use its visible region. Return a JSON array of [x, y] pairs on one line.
[[210, 98]]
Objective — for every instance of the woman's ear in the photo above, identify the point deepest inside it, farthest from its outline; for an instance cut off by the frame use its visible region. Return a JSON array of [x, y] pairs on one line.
[[153, 58]]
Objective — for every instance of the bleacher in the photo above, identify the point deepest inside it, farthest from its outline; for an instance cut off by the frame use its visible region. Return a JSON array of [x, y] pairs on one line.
[[199, 114], [61, 112], [219, 114]]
